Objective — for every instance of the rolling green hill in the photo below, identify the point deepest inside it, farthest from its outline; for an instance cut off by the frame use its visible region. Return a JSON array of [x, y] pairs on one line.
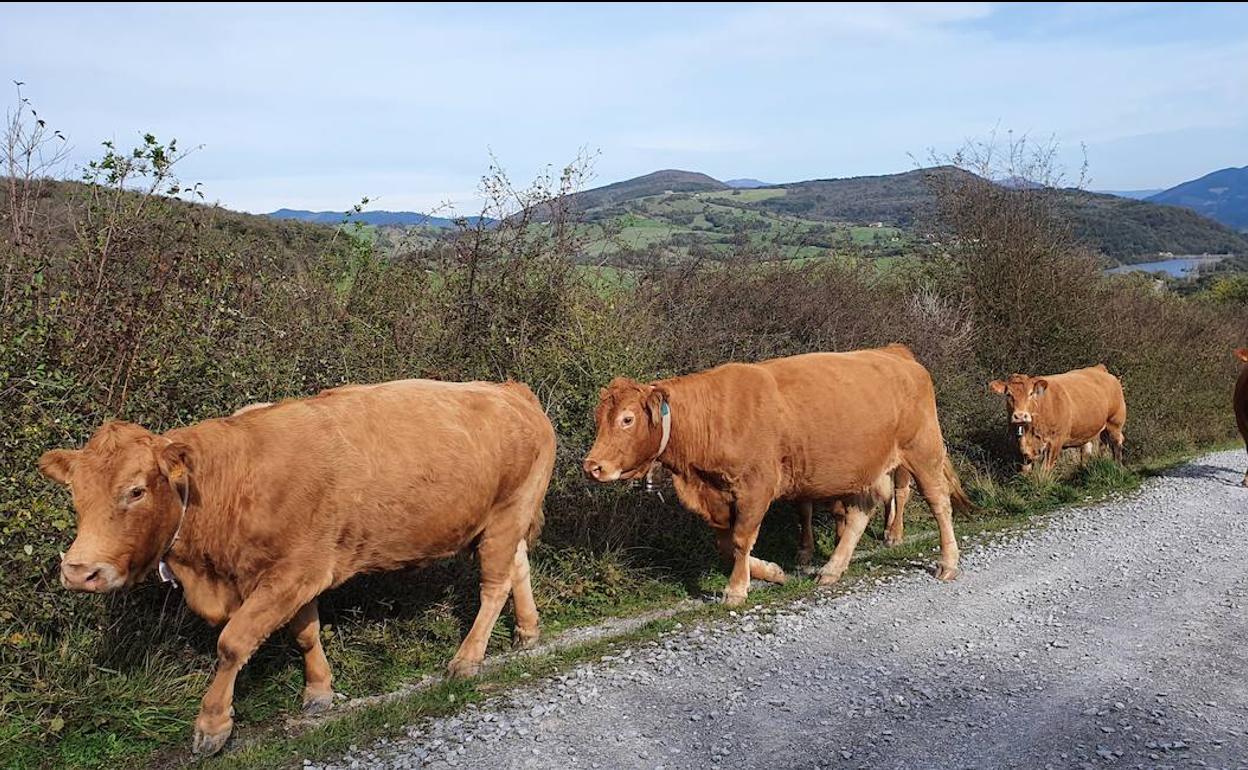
[[873, 215]]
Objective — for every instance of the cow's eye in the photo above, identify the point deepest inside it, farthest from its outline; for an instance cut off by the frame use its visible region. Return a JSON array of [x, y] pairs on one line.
[[626, 420], [136, 494]]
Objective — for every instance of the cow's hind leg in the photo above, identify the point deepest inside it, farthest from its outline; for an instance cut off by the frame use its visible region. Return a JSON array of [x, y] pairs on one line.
[[855, 523], [838, 514], [1114, 438], [894, 522], [318, 693], [806, 543], [527, 628], [496, 553], [270, 606]]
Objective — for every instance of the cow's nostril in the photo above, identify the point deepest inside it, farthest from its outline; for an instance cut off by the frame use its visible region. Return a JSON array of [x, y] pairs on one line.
[[592, 468], [94, 574]]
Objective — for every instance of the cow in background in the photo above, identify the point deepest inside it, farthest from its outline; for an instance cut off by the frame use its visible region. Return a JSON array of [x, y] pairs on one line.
[[1059, 411]]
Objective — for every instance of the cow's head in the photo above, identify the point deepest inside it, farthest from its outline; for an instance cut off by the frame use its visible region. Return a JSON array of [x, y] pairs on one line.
[[128, 485], [1022, 396], [630, 430]]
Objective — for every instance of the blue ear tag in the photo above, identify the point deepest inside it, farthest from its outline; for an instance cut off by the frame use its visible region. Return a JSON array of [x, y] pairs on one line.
[[664, 410]]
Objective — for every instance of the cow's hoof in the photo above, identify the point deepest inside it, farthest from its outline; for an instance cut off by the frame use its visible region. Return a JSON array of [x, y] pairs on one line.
[[828, 578], [947, 574], [803, 558], [209, 741], [892, 541], [1245, 481], [732, 599], [461, 668], [316, 701], [520, 640]]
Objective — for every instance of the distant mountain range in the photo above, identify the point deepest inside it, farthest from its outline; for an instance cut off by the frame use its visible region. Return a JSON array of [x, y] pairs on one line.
[[1118, 227], [746, 184], [1221, 196], [1196, 217], [377, 218], [1138, 195]]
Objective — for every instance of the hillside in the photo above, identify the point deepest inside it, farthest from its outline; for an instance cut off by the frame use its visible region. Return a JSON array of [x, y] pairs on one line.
[[901, 200], [1132, 231], [656, 183], [800, 218], [1221, 196]]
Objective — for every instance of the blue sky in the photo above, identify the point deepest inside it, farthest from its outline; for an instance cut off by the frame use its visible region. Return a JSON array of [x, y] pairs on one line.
[[314, 107]]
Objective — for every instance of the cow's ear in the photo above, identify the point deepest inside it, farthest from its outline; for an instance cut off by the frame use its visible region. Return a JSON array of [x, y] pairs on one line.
[[1038, 387], [997, 386], [58, 464], [655, 396], [174, 460], [1242, 354]]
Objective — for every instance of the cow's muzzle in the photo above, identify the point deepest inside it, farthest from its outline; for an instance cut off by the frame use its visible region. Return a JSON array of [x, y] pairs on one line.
[[597, 471], [1021, 418], [91, 577]]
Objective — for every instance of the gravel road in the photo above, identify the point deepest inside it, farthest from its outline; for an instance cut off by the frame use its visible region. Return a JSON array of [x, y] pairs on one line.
[[1113, 636]]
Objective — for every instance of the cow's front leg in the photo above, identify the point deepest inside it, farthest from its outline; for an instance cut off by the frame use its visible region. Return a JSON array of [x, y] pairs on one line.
[[1052, 453], [272, 604], [318, 693], [744, 533]]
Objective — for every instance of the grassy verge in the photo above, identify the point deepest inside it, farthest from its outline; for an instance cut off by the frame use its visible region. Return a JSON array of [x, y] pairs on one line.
[[1004, 506]]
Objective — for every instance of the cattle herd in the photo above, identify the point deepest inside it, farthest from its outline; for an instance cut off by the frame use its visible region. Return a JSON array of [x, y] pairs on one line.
[[256, 514]]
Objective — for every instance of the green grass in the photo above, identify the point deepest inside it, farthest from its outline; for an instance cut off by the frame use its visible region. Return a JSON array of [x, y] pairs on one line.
[[742, 196]]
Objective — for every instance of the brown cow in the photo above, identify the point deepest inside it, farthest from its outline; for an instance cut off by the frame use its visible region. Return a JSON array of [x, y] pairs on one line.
[[1060, 411], [810, 427], [258, 513], [1241, 401]]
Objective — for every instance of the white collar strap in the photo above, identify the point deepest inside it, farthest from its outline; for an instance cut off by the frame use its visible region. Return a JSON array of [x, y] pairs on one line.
[[162, 567], [666, 413]]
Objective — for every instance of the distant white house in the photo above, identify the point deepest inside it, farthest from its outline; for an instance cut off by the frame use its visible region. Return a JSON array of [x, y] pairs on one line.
[[876, 225]]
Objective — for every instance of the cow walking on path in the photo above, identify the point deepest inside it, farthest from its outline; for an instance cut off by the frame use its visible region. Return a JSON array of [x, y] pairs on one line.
[[1061, 411], [811, 427], [257, 514]]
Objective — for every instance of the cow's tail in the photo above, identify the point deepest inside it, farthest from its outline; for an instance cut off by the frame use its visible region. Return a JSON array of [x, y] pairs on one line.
[[535, 527], [957, 496]]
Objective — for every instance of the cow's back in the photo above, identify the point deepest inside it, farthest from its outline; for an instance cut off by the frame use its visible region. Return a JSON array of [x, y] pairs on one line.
[[846, 416], [389, 474], [1087, 398]]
